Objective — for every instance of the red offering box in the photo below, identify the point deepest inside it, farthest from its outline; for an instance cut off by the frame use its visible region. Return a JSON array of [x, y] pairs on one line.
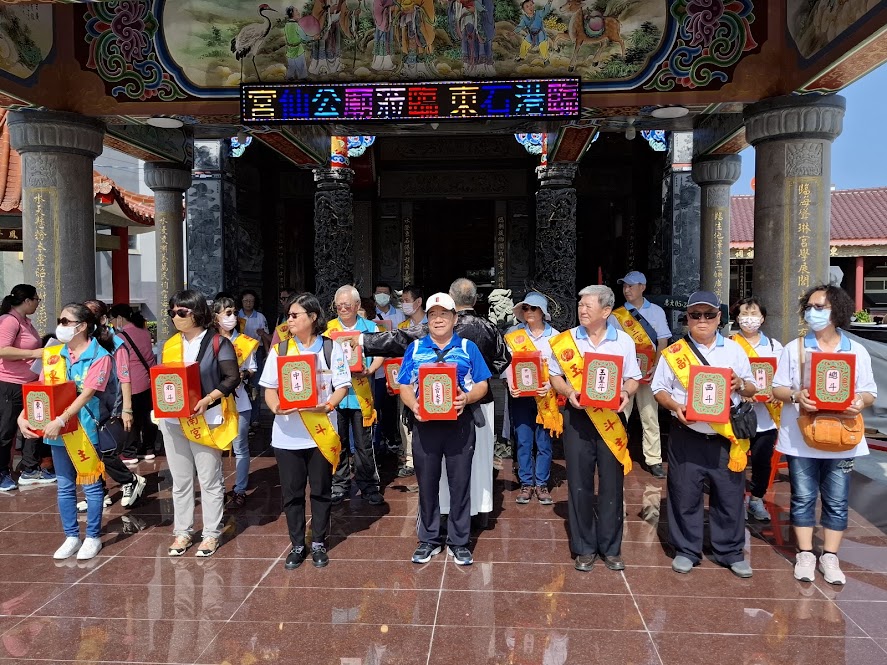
[[526, 372], [384, 325], [176, 389], [646, 356], [45, 402], [297, 381], [392, 370], [353, 352], [602, 381], [832, 380], [708, 396], [437, 391], [763, 369]]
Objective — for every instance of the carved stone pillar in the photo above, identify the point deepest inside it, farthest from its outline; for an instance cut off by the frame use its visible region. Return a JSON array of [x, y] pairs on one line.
[[793, 138], [556, 241], [714, 174], [333, 232], [169, 183]]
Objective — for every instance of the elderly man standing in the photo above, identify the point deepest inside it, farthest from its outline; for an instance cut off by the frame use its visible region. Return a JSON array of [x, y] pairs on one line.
[[594, 439], [647, 326], [701, 451]]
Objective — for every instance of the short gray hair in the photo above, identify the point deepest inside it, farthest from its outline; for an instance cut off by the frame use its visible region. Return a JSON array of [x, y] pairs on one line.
[[350, 290], [463, 292], [604, 294]]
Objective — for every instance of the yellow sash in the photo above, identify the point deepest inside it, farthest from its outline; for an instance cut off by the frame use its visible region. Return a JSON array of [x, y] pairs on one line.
[[361, 385], [283, 332], [243, 347], [195, 428], [318, 425], [633, 328], [548, 415], [680, 357], [606, 421], [775, 410], [83, 454]]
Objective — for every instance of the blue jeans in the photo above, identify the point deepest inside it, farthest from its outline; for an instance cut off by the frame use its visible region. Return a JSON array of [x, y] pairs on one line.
[[522, 411], [830, 479], [67, 497], [241, 453]]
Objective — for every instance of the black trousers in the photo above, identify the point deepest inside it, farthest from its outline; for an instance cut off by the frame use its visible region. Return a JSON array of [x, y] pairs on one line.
[[386, 407], [143, 435], [436, 442], [297, 468], [762, 445], [115, 467], [366, 474], [592, 531], [693, 458], [10, 407]]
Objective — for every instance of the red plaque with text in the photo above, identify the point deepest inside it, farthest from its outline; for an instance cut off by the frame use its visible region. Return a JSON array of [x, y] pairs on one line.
[[526, 372], [353, 352], [437, 391], [831, 379], [708, 395], [297, 381], [762, 370], [44, 402], [392, 370], [601, 381], [175, 389], [646, 356]]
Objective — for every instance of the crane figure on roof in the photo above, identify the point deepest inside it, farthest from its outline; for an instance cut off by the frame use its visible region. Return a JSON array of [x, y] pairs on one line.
[[250, 39]]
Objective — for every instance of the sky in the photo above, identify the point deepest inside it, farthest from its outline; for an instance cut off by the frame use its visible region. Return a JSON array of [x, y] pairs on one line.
[[859, 154]]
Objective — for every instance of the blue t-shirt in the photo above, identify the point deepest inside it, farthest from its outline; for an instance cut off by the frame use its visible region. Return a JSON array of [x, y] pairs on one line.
[[364, 326], [77, 372], [470, 365]]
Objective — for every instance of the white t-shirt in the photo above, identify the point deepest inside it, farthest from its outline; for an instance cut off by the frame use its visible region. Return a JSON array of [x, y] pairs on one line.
[[765, 348], [241, 397], [254, 322], [791, 441], [615, 343], [289, 432], [722, 353]]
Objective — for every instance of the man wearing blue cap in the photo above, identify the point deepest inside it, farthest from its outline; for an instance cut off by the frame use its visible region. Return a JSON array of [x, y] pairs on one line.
[[647, 326], [700, 451]]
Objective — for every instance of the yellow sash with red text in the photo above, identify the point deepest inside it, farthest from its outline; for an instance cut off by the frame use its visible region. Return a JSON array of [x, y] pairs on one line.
[[680, 357], [361, 385], [634, 329], [243, 347], [605, 421], [83, 453], [283, 334], [196, 428], [548, 414], [775, 410], [318, 425]]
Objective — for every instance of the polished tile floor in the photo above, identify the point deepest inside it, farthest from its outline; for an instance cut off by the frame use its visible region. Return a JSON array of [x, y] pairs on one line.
[[521, 602]]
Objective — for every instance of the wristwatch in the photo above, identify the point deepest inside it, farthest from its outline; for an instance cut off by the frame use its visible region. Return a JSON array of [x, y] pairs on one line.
[[794, 398]]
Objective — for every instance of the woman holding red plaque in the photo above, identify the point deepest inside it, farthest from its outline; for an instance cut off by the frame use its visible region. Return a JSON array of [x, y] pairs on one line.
[[305, 440], [225, 321], [82, 360], [211, 429], [532, 335], [750, 314], [814, 471], [437, 440]]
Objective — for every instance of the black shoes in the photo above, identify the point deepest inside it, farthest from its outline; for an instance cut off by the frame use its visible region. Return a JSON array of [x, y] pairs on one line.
[[585, 562], [657, 471], [295, 558], [374, 499], [424, 552], [406, 472], [614, 562], [319, 557], [461, 555], [337, 497]]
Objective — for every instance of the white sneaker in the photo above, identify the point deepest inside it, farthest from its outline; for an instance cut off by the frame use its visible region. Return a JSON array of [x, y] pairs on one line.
[[132, 491], [106, 503], [91, 547], [757, 510], [150, 457], [805, 566], [830, 568], [69, 547]]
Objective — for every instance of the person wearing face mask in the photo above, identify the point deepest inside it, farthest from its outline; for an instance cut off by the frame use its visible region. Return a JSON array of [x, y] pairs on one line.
[[252, 323], [812, 471], [749, 314], [385, 433], [80, 359], [197, 448], [225, 321]]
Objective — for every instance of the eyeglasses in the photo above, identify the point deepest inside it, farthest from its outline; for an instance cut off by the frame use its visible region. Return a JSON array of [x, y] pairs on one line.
[[698, 315], [64, 321], [345, 305], [36, 299], [295, 315], [181, 312], [818, 308], [529, 308]]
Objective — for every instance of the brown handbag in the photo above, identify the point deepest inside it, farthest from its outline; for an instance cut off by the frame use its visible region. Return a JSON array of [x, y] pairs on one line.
[[830, 432]]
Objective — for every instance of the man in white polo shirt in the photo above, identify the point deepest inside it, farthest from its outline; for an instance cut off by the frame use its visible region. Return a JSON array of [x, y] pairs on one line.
[[699, 451], [646, 324]]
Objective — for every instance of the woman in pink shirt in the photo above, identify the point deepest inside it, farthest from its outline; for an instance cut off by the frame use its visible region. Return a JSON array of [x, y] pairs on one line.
[[19, 347]]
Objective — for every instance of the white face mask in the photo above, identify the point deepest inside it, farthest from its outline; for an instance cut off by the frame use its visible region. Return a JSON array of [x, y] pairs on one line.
[[228, 322], [65, 334], [409, 308], [382, 299], [750, 324]]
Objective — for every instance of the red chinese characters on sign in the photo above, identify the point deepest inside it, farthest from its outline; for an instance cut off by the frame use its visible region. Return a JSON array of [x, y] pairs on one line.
[[422, 102]]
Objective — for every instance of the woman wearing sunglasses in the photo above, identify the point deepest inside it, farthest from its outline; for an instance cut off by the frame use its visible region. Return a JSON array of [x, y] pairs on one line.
[[813, 471], [305, 441], [82, 360], [20, 346], [215, 421], [225, 321]]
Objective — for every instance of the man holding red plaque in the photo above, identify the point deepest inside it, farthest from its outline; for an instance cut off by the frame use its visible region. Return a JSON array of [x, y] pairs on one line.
[[594, 438], [437, 440], [700, 451], [647, 326]]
